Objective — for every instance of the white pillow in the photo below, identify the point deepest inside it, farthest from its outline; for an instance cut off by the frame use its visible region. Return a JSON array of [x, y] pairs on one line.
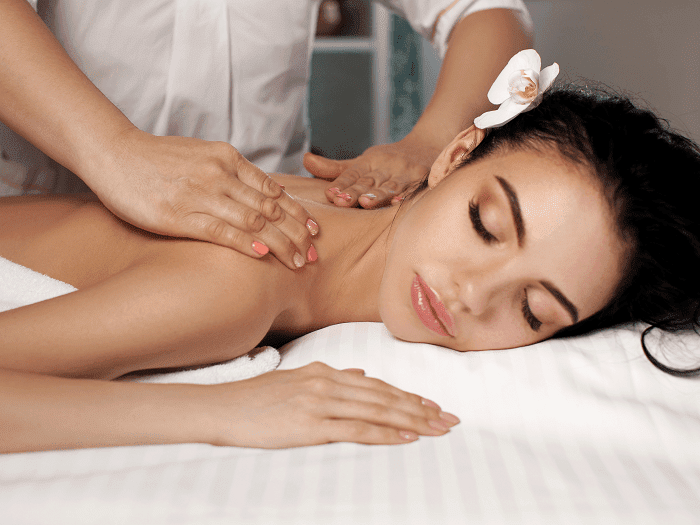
[[599, 389]]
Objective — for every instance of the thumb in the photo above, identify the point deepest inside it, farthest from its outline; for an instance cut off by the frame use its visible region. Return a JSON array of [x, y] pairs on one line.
[[324, 168]]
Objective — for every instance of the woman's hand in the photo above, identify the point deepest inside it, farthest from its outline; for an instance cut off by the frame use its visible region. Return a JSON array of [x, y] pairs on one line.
[[378, 176], [185, 187], [317, 404]]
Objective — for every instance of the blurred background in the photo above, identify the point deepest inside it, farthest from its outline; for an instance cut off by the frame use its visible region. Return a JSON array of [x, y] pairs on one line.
[[372, 75]]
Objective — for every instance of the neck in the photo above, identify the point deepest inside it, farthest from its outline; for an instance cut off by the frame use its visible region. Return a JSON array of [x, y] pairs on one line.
[[352, 248]]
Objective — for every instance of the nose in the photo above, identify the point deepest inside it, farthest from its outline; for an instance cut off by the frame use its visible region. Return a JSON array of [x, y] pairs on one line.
[[478, 293], [474, 297]]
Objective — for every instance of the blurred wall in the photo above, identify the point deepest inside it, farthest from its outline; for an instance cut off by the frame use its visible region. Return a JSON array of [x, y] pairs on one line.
[[646, 48]]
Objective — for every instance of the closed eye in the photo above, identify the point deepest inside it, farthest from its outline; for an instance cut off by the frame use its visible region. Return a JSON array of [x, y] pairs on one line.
[[475, 217], [534, 323]]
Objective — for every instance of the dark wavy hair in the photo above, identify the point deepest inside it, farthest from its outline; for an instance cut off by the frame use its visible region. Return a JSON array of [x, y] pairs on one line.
[[651, 178]]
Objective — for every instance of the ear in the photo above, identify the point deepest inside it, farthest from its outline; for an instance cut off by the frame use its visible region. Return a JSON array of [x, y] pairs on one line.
[[461, 146]]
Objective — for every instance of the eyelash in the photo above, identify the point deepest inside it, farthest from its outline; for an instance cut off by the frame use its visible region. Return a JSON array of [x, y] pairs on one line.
[[475, 217], [534, 323]]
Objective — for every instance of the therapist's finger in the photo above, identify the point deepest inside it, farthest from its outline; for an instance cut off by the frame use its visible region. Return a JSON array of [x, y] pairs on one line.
[[380, 196], [258, 205], [323, 168], [370, 190], [337, 192], [257, 179], [256, 225]]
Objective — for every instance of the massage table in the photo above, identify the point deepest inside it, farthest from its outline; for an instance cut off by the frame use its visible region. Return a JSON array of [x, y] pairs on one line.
[[573, 431]]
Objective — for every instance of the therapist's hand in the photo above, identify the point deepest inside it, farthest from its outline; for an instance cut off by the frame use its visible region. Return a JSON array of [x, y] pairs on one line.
[[187, 187], [377, 177]]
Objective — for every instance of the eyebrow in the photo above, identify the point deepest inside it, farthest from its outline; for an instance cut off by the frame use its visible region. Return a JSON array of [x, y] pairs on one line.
[[514, 208], [568, 305], [520, 229]]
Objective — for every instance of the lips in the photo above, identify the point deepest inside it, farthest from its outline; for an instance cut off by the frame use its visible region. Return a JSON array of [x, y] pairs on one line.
[[430, 309]]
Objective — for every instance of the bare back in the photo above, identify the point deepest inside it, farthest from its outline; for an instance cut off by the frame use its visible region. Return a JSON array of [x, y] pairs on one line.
[[144, 301]]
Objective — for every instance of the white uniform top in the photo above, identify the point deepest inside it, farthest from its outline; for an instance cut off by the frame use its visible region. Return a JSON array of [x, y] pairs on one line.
[[229, 70]]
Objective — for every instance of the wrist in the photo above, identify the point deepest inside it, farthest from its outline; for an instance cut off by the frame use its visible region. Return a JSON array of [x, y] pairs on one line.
[[99, 155], [184, 414], [431, 135]]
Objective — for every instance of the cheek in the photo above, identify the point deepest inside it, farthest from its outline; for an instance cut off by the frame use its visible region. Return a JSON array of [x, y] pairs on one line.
[[504, 330], [394, 305]]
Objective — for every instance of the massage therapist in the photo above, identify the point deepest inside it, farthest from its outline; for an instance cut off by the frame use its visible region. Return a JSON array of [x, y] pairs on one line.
[[170, 110]]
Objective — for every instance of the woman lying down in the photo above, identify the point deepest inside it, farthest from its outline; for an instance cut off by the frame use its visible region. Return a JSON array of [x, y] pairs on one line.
[[577, 214]]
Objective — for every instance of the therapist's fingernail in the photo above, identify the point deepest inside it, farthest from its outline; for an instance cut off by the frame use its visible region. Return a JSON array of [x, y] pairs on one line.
[[281, 185], [345, 196], [311, 254], [298, 260], [370, 196], [397, 200], [312, 226], [260, 248], [335, 191]]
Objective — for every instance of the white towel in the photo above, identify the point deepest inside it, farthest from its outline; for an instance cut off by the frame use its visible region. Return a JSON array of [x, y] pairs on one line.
[[242, 367], [20, 286]]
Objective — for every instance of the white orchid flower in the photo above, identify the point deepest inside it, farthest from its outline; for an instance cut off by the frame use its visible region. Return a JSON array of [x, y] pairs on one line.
[[518, 88]]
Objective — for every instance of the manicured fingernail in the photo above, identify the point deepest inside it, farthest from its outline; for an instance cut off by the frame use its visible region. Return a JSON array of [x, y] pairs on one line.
[[312, 226], [260, 248], [407, 435], [335, 191], [438, 425], [298, 260], [397, 199], [370, 196], [281, 185], [311, 254], [429, 403], [450, 418], [345, 196]]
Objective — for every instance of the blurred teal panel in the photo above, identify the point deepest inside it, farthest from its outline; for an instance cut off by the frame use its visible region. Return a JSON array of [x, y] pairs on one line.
[[406, 83]]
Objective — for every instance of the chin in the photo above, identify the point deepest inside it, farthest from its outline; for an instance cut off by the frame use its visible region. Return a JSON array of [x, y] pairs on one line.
[[399, 323]]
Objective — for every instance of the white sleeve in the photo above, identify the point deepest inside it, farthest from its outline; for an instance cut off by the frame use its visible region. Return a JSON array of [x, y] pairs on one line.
[[422, 15]]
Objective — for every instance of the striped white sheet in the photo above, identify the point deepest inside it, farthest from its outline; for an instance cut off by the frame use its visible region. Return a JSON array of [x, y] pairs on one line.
[[580, 431]]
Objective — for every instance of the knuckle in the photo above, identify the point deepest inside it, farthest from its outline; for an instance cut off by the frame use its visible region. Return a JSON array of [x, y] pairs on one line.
[[271, 210], [390, 185], [235, 237], [318, 385], [227, 151], [253, 221], [300, 238], [271, 188], [357, 430], [317, 368], [223, 156], [216, 230]]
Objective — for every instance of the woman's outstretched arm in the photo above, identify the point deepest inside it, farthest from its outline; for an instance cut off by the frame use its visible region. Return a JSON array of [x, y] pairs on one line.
[[307, 406]]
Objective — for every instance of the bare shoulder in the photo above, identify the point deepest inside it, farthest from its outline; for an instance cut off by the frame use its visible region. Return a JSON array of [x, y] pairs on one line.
[[236, 291]]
